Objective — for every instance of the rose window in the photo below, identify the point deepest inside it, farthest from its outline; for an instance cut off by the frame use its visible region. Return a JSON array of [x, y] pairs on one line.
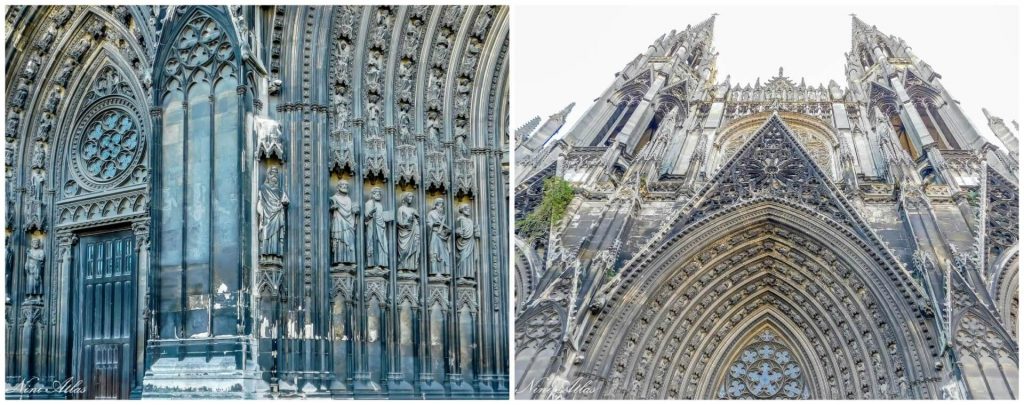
[[110, 145], [765, 369]]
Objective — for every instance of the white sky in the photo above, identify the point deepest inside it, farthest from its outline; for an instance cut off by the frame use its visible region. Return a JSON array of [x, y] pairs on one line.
[[570, 53]]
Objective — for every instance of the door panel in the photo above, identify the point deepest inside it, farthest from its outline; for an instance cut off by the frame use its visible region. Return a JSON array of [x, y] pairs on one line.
[[106, 273]]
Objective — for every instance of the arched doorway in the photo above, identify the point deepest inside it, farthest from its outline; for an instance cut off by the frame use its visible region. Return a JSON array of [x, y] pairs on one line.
[[680, 322]]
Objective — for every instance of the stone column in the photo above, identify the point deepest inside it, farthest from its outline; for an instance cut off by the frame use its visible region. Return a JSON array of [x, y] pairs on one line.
[[146, 319], [61, 346], [341, 336], [433, 377]]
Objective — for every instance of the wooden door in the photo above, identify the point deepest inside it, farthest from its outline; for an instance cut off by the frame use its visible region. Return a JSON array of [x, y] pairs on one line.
[[107, 296]]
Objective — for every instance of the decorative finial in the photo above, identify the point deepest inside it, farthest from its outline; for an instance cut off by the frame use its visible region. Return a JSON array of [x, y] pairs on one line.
[[780, 71]]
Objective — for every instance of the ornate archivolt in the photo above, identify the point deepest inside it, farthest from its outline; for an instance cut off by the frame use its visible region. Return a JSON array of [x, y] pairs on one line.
[[77, 136], [830, 297], [769, 227], [1006, 293]]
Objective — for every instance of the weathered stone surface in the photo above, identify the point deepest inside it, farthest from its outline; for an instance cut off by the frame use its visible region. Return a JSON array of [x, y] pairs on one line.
[[724, 240], [188, 187]]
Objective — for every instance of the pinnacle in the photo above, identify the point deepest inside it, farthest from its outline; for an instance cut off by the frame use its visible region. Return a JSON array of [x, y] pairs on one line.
[[565, 111]]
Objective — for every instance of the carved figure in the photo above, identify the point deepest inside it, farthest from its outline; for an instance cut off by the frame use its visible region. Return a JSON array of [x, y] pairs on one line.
[[439, 263], [465, 243], [408, 223], [376, 235], [34, 259], [271, 211], [343, 231]]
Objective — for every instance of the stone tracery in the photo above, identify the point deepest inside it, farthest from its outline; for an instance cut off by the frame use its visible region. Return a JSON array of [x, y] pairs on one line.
[[80, 142]]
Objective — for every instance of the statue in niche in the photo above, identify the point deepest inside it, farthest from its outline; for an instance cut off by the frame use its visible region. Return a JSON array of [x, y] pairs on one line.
[[343, 226], [405, 78], [465, 243], [404, 126], [433, 128], [271, 211], [376, 236], [342, 58], [35, 204], [38, 156], [268, 133], [34, 259], [12, 126], [439, 232], [31, 68], [461, 149], [341, 107], [408, 223], [20, 95]]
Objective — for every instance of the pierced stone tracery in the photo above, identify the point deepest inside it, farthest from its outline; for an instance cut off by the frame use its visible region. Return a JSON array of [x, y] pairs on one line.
[[110, 145], [766, 369]]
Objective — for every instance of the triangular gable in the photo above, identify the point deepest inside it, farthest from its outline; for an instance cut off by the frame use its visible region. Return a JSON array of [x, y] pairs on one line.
[[772, 165]]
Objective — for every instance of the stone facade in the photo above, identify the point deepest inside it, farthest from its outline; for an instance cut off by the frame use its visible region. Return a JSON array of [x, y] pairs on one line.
[[773, 240], [233, 201]]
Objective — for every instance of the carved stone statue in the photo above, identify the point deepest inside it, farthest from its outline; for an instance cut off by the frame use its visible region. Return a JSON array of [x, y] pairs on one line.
[[433, 128], [376, 235], [408, 224], [268, 132], [465, 243], [343, 226], [271, 211], [439, 233], [35, 203], [20, 95], [34, 259], [38, 156], [11, 130]]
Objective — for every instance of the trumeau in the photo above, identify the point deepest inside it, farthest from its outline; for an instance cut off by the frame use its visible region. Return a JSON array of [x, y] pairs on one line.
[[771, 240], [226, 201]]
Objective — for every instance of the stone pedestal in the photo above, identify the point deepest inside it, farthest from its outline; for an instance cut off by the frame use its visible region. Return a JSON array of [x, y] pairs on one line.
[[203, 368]]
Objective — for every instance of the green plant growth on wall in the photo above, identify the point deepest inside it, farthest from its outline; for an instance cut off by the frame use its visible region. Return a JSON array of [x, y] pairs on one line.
[[557, 195]]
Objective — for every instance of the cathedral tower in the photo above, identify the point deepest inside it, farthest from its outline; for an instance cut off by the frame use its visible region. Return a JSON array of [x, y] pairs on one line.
[[864, 237]]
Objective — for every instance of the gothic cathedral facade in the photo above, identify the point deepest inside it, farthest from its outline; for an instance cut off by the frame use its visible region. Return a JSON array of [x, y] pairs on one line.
[[257, 201], [774, 240]]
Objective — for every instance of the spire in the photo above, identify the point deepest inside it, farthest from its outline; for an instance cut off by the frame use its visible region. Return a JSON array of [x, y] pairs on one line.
[[1002, 132], [858, 24], [547, 130], [708, 24], [561, 115]]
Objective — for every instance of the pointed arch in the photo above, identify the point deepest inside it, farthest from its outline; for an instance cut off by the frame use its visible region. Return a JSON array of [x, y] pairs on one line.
[[200, 136], [539, 332], [768, 222], [986, 357], [767, 253], [765, 360]]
